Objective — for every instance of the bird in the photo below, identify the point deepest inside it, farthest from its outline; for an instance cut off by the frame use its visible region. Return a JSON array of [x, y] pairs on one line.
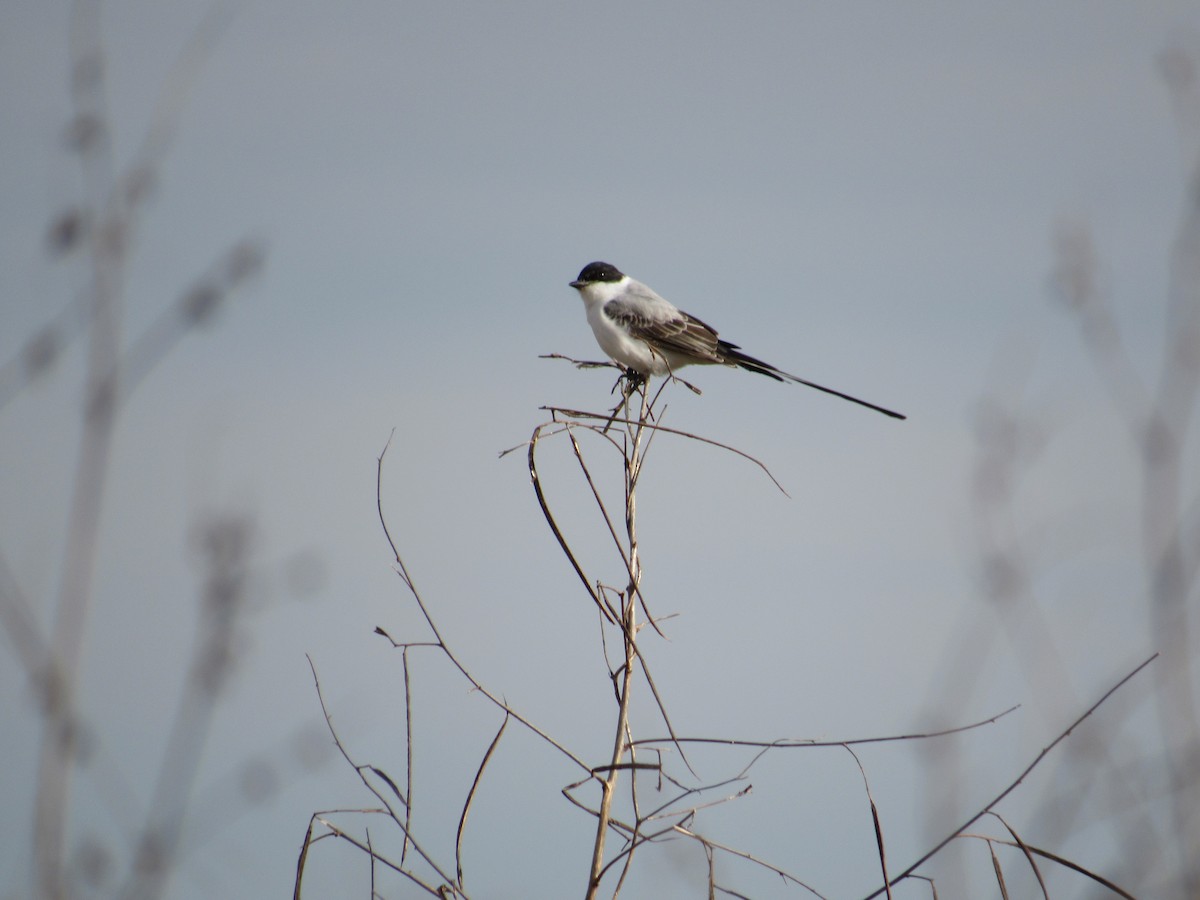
[[649, 335]]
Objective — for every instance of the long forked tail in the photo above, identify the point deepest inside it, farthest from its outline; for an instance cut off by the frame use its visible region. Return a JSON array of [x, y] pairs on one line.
[[734, 356]]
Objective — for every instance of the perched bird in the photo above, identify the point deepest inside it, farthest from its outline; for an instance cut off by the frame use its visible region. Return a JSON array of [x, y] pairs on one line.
[[645, 333]]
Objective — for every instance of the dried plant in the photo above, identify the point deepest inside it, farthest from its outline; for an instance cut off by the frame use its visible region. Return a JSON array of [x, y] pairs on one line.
[[666, 798]]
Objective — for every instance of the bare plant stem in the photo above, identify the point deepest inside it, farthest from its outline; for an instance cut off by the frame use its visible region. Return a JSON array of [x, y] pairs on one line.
[[633, 467], [60, 729], [1013, 786]]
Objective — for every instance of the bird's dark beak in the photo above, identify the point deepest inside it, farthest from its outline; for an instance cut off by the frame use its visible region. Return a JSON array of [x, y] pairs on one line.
[[576, 284]]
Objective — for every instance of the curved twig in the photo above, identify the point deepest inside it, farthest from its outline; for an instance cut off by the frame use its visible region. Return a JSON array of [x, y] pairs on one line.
[[790, 743], [601, 604], [1053, 857], [402, 571], [462, 820], [583, 414], [875, 819], [391, 813], [786, 876], [1027, 851]]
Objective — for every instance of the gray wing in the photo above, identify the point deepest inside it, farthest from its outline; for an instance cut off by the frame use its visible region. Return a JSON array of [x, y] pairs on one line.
[[648, 317]]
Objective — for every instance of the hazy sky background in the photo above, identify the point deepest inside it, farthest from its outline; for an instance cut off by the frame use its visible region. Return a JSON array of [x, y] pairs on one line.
[[863, 194]]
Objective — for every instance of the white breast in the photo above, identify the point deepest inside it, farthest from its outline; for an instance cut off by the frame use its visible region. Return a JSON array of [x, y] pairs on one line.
[[619, 346]]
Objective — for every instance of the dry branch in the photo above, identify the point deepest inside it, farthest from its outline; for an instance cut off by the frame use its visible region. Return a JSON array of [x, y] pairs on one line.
[[1013, 786]]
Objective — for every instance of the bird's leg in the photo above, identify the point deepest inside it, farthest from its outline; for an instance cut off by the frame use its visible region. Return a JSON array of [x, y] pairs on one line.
[[629, 382]]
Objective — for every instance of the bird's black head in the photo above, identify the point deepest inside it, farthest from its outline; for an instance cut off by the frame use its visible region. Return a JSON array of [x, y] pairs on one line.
[[597, 271]]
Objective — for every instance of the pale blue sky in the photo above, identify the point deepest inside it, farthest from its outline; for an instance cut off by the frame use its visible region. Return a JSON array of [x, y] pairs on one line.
[[863, 194]]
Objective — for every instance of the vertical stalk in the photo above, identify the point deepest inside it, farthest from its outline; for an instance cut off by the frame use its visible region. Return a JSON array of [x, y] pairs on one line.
[[106, 242], [633, 468]]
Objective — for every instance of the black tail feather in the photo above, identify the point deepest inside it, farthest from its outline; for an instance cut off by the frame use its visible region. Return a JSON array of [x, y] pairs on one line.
[[735, 357]]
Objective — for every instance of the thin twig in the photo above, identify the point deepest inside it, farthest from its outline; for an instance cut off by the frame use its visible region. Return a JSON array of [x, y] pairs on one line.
[[637, 818], [371, 854], [1013, 786], [786, 876], [335, 831], [999, 871], [583, 414], [611, 528], [366, 782], [875, 820], [1053, 857], [583, 363], [408, 754], [636, 840], [681, 826], [662, 813], [462, 820], [300, 863], [402, 571], [794, 743], [1028, 854], [562, 541]]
